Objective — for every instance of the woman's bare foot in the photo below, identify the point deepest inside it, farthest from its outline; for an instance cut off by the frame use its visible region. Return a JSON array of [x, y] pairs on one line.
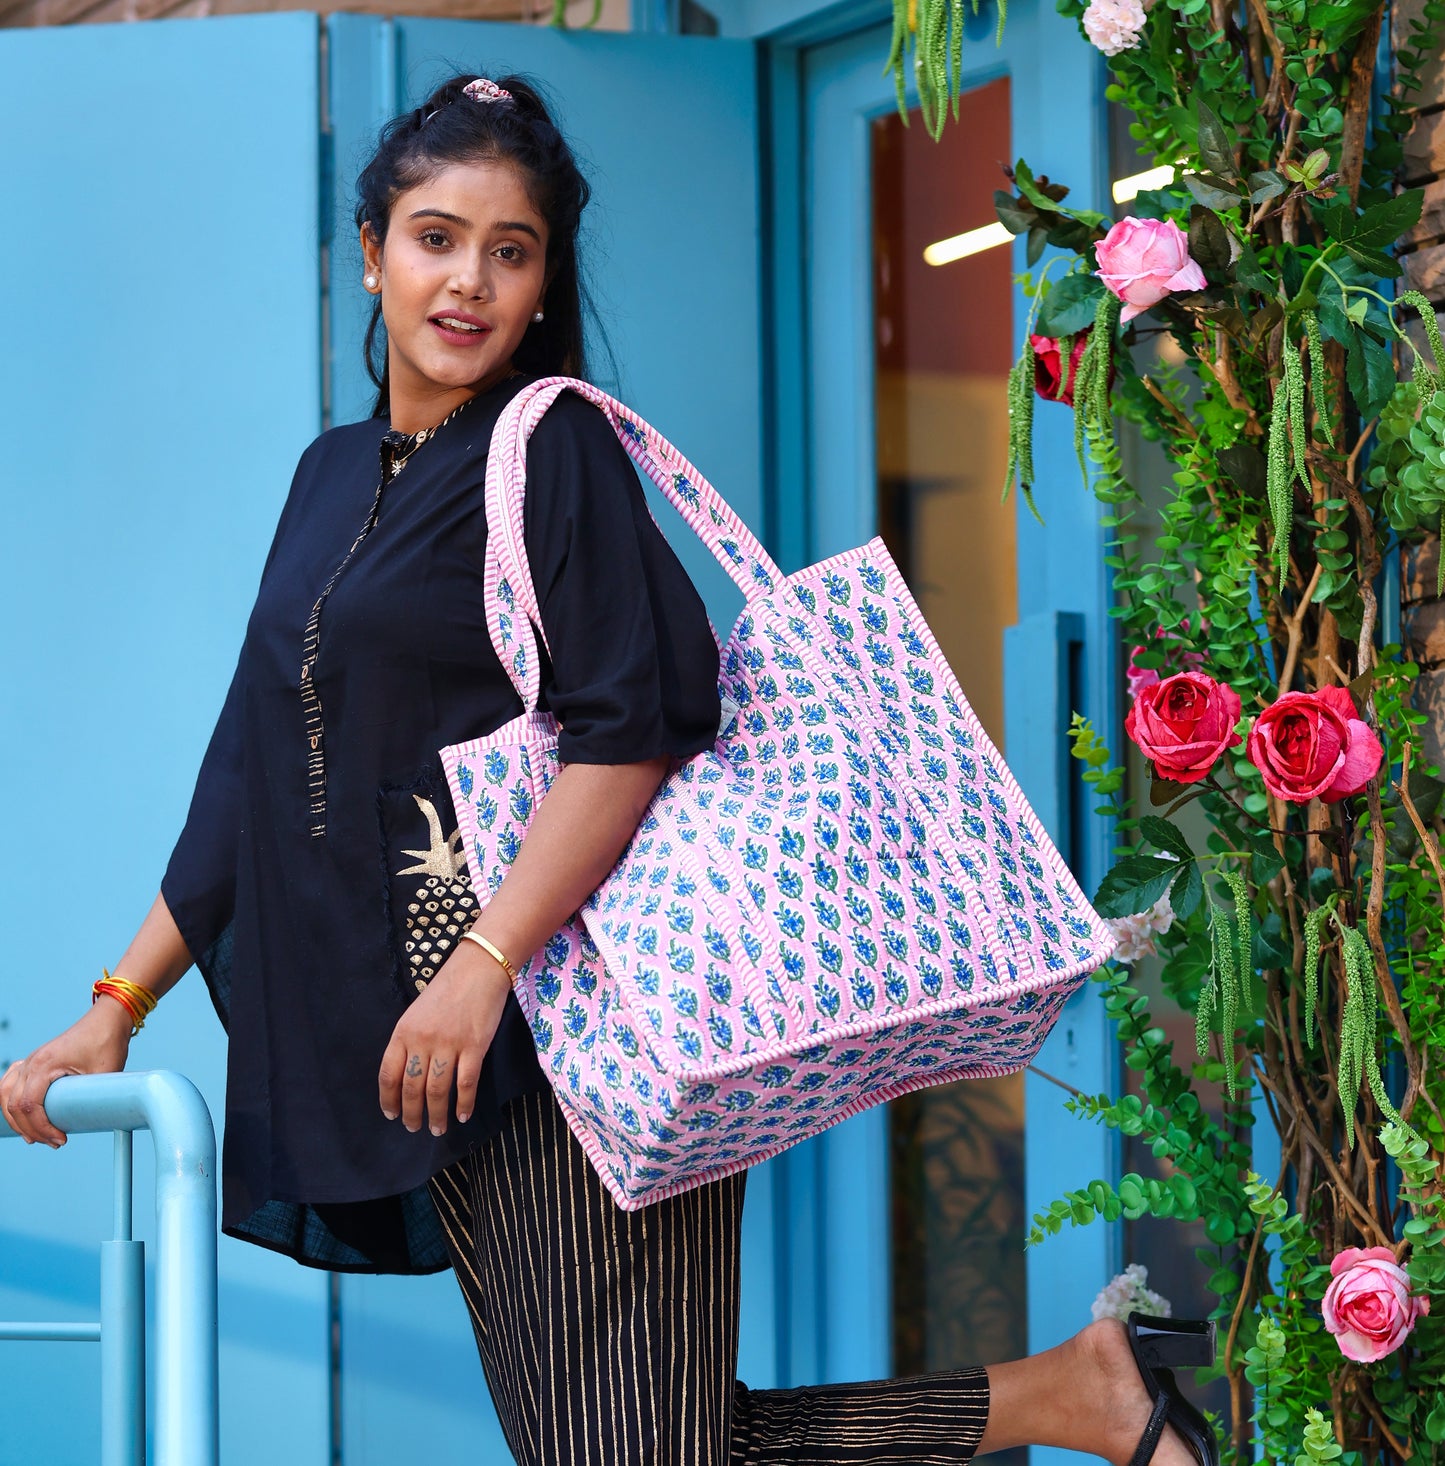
[[1085, 1395], [1125, 1401]]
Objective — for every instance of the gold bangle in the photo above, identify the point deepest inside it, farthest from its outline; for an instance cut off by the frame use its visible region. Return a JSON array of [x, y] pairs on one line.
[[494, 952]]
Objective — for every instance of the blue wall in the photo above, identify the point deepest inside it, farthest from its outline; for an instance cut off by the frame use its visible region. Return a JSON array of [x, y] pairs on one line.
[[161, 369]]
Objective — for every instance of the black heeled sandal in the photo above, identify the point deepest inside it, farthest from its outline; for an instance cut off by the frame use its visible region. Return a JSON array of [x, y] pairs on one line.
[[1162, 1345]]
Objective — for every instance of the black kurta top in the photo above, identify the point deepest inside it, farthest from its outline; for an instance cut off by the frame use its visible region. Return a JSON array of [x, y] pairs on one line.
[[318, 880]]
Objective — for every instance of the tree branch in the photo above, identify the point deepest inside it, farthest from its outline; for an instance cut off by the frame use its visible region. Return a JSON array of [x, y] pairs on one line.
[[1357, 107]]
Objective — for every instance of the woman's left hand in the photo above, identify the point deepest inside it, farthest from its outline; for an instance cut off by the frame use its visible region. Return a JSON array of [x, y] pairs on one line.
[[441, 1040]]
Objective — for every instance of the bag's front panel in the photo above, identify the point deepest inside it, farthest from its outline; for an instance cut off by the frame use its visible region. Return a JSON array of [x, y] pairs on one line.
[[683, 1135], [981, 831], [666, 920]]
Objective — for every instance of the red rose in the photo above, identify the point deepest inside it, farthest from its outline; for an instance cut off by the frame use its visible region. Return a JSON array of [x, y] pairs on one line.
[[1048, 366], [1183, 724], [1314, 745]]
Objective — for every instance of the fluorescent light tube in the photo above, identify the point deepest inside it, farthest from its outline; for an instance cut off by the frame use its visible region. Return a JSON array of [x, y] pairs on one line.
[[968, 243], [1132, 186]]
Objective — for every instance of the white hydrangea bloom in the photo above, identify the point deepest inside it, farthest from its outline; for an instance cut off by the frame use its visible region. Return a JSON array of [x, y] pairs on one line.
[[1136, 933], [1114, 25], [1130, 1293]]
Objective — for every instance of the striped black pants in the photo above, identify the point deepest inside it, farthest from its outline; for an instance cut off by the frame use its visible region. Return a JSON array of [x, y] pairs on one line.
[[610, 1338]]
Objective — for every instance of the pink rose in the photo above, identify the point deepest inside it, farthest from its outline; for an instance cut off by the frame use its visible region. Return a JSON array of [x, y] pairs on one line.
[[1368, 1305], [1312, 745], [1183, 724], [1138, 678], [1143, 260]]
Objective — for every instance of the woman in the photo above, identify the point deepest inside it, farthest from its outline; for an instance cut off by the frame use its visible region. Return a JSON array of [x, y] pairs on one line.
[[385, 1110]]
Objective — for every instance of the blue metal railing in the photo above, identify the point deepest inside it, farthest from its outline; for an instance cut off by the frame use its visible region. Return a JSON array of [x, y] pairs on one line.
[[171, 1108]]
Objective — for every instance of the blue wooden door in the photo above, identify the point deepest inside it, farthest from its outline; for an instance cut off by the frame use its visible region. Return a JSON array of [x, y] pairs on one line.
[[161, 369], [667, 128], [1059, 655]]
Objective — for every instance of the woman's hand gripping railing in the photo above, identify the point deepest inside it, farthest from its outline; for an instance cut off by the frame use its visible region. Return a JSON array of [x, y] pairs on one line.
[[171, 1108]]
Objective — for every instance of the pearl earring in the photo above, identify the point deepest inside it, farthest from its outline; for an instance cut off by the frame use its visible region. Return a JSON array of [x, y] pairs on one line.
[[536, 315], [371, 282]]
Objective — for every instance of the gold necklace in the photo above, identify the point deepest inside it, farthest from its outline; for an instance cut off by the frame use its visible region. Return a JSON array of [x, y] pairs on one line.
[[394, 439]]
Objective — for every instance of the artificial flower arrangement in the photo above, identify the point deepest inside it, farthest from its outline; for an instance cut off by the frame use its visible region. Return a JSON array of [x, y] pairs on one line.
[[1283, 861]]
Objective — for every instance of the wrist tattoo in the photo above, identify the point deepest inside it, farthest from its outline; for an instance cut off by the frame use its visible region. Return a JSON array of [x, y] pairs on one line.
[[414, 1066]]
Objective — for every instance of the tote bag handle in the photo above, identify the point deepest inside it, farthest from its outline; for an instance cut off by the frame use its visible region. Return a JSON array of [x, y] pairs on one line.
[[508, 576]]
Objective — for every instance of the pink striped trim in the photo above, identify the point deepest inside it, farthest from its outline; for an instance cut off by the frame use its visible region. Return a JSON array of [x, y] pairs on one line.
[[658, 458], [527, 729]]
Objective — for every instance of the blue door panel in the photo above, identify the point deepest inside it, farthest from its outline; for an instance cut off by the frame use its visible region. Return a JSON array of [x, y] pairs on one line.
[[161, 368]]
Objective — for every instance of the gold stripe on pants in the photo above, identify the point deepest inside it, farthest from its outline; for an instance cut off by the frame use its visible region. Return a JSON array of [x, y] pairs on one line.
[[610, 1338]]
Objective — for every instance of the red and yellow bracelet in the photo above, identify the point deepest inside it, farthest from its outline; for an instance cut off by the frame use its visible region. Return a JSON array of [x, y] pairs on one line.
[[139, 1002]]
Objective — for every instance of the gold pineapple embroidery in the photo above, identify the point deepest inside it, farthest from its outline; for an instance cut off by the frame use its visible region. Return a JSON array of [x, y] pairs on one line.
[[441, 909]]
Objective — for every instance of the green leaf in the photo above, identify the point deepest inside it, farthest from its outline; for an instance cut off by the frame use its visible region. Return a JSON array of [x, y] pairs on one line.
[[1334, 323], [1024, 181], [1014, 214], [1187, 891], [1383, 224], [1070, 305], [1166, 791], [1335, 219], [1038, 240], [1250, 273], [1271, 947], [1265, 185], [1265, 862], [1216, 142], [1165, 836], [1134, 885], [1435, 1423], [1369, 372], [1209, 241], [1213, 192], [1245, 466], [1382, 266]]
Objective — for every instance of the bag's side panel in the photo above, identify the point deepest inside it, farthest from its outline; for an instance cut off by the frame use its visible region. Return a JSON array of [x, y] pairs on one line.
[[496, 784], [1049, 921]]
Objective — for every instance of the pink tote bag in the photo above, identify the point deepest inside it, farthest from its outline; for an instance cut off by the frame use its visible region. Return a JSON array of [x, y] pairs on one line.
[[846, 898]]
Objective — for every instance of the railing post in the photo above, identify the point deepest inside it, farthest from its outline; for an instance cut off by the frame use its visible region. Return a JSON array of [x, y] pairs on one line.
[[122, 1354], [123, 1335], [171, 1108]]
